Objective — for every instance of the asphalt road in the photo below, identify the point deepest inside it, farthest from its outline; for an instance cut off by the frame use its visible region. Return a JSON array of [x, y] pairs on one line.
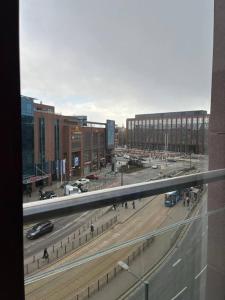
[[183, 276], [62, 227]]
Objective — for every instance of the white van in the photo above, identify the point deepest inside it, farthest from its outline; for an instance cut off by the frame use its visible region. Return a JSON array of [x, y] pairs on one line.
[[69, 189]]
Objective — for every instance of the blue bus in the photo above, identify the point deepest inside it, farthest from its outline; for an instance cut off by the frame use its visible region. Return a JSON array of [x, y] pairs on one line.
[[171, 198]]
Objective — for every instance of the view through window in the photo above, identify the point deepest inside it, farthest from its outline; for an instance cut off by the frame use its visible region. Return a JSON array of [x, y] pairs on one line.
[[116, 93]]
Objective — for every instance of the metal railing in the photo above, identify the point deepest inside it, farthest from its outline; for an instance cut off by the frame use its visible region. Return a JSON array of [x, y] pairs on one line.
[[91, 200]]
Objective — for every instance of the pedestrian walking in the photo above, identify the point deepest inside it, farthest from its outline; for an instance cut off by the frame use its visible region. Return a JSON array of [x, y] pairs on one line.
[[126, 206], [133, 204], [92, 228], [114, 206], [184, 202], [45, 254], [188, 201]]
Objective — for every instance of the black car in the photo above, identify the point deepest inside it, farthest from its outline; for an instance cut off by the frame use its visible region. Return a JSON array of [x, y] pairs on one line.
[[81, 187], [39, 229], [47, 195]]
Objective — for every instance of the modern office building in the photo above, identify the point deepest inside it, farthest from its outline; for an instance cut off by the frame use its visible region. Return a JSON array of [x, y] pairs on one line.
[[27, 118], [57, 147], [184, 131]]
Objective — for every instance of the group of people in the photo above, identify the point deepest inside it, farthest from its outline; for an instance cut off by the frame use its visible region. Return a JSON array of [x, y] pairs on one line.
[[125, 204]]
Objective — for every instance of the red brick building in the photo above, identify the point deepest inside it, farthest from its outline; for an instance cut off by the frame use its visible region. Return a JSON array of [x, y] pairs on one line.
[[66, 146]]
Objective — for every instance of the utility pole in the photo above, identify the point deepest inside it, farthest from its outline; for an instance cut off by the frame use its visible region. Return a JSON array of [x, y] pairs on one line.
[[166, 145], [121, 171]]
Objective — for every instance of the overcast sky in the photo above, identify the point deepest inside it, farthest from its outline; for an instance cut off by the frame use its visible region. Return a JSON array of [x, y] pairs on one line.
[[112, 59]]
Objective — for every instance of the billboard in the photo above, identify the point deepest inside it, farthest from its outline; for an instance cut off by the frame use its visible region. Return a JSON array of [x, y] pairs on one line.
[[110, 134]]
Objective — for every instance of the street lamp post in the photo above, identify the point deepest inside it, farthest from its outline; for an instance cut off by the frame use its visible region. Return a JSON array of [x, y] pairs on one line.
[[124, 266]]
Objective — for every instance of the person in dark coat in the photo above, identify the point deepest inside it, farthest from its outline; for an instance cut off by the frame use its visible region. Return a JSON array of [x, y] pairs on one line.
[[133, 203], [92, 228], [45, 254], [126, 206]]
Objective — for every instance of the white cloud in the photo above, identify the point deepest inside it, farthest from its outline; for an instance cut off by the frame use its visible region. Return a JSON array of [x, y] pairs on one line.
[[115, 60]]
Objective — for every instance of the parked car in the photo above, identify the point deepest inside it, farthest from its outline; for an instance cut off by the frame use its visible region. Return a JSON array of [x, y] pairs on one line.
[[47, 195], [154, 167], [71, 189], [92, 176], [82, 181], [40, 229], [83, 189]]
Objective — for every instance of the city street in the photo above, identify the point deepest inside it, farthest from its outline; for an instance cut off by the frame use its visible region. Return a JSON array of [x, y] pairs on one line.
[[68, 224], [154, 215]]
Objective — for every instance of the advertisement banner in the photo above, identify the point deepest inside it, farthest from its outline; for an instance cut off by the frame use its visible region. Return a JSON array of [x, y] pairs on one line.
[[76, 161], [110, 134]]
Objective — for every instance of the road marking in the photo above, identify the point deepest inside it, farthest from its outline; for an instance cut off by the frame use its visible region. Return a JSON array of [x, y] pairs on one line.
[[200, 272], [177, 295], [177, 262]]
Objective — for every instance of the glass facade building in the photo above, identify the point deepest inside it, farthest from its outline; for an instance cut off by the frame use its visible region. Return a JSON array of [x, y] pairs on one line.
[[27, 117]]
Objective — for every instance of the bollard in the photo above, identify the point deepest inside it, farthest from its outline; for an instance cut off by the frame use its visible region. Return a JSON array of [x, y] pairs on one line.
[[74, 236], [53, 249], [88, 292], [115, 272], [61, 244], [38, 263], [77, 297], [86, 237], [65, 248], [102, 227], [68, 239], [57, 253], [27, 268], [79, 241], [98, 285], [107, 277], [97, 230], [79, 231], [128, 260]]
